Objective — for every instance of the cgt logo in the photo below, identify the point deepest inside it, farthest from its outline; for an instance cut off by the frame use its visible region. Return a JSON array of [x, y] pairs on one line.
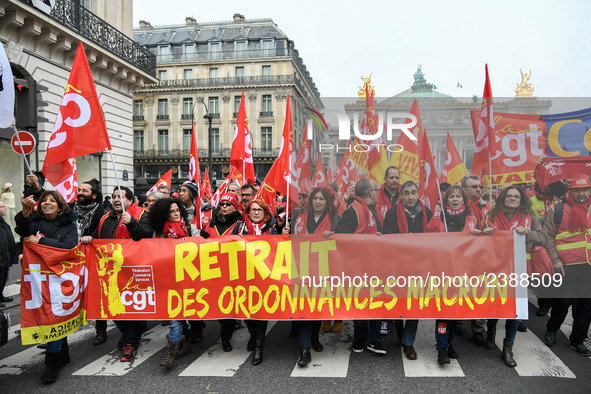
[[138, 293]]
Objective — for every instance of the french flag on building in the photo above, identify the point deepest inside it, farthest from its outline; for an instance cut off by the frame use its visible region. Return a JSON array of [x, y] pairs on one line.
[[460, 85]]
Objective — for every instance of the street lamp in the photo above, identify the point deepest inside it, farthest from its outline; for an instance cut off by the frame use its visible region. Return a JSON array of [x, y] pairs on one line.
[[209, 117]]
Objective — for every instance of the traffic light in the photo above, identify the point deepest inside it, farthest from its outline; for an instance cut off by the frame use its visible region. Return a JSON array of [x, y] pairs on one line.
[[25, 92]]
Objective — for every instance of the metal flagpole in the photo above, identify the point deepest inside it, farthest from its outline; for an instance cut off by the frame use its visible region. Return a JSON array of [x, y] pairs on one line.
[[117, 181]]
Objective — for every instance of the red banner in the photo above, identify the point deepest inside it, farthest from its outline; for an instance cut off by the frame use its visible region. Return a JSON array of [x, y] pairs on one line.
[[256, 277], [52, 284], [521, 140]]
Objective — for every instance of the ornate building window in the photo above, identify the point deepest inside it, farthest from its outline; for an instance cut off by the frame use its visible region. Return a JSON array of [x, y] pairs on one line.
[[240, 74], [138, 110], [213, 72], [162, 109], [214, 106], [164, 53], [215, 140], [187, 108], [241, 49], [187, 74], [267, 48], [138, 140], [266, 71], [162, 75], [267, 105], [189, 52], [186, 139], [237, 100], [266, 138], [215, 50], [163, 140]]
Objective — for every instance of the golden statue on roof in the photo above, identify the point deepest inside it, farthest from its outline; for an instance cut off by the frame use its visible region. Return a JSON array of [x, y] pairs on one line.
[[366, 83], [524, 88]]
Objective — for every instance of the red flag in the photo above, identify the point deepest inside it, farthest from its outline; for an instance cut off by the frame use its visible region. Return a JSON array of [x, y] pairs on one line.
[[241, 155], [279, 176], [302, 169], [485, 135], [372, 160], [269, 195], [428, 188], [455, 169], [215, 199], [554, 169], [329, 176], [407, 160], [68, 183], [80, 128], [165, 180], [206, 185], [346, 173], [319, 176], [194, 170]]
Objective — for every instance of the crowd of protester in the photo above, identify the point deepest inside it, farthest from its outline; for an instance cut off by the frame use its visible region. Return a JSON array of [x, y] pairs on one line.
[[556, 219]]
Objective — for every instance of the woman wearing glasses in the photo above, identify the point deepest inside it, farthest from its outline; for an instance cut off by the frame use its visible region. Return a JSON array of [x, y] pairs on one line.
[[319, 217], [512, 212], [257, 221]]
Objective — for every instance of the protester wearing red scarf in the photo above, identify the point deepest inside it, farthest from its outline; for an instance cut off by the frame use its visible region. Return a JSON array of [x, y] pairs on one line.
[[512, 212], [409, 206], [320, 218], [126, 220], [257, 221], [389, 193]]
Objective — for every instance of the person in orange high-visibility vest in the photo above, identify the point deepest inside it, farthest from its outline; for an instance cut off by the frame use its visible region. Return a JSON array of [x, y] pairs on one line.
[[569, 228]]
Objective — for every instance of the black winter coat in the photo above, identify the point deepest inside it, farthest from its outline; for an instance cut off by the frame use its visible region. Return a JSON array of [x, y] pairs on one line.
[[8, 249], [60, 232], [221, 225], [137, 229], [414, 226]]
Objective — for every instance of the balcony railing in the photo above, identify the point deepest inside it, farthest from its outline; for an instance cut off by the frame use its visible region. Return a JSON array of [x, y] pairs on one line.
[[203, 154], [82, 21], [228, 81], [223, 55], [266, 113], [161, 117], [138, 117], [186, 116]]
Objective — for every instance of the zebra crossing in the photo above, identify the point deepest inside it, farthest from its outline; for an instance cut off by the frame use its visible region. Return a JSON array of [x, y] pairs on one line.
[[533, 356]]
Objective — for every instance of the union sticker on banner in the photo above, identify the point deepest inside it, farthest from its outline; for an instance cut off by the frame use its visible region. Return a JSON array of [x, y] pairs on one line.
[[137, 289]]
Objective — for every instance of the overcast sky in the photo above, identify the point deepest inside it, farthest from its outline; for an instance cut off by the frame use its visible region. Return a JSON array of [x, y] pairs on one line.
[[452, 40]]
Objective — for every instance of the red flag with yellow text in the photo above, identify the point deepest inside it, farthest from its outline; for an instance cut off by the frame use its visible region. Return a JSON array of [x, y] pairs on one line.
[[455, 169], [407, 160]]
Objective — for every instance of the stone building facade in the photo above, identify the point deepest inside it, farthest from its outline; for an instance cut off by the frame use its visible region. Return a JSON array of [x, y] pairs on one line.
[[203, 68], [41, 40]]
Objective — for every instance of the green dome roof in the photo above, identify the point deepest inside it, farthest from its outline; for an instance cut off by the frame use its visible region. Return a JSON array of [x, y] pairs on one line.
[[420, 90]]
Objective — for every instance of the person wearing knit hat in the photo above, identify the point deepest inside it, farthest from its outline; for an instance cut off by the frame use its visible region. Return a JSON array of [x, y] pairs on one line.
[[231, 198], [223, 219]]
